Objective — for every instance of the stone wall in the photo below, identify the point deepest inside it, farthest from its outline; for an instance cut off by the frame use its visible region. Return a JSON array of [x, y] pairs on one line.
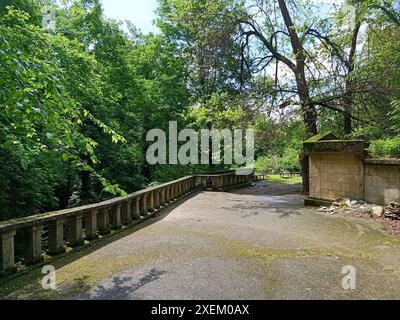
[[334, 175], [382, 181], [344, 173]]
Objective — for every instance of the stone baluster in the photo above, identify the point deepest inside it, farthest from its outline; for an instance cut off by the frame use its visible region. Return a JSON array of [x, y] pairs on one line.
[[163, 199], [172, 193], [156, 199], [168, 194], [75, 230], [150, 202], [136, 209], [56, 237], [143, 204], [7, 263], [32, 243], [126, 212], [91, 224], [104, 221], [116, 217], [178, 190]]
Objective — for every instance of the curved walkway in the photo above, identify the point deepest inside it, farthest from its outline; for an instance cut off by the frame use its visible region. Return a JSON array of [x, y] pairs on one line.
[[256, 243]]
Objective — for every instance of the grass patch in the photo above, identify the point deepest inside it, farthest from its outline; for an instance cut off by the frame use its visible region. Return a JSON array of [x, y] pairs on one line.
[[278, 180]]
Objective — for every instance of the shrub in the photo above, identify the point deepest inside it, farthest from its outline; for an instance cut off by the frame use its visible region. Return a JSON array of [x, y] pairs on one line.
[[275, 164], [386, 147]]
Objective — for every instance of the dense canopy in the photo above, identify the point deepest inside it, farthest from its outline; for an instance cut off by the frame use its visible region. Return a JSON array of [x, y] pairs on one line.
[[77, 100]]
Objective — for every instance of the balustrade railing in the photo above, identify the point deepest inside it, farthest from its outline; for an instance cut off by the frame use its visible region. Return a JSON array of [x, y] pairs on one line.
[[88, 222]]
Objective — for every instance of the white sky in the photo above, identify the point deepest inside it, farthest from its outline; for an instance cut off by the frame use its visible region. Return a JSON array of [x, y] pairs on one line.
[[140, 12]]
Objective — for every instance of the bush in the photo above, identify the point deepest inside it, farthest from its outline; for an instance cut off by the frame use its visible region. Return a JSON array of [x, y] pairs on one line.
[[275, 164], [386, 147]]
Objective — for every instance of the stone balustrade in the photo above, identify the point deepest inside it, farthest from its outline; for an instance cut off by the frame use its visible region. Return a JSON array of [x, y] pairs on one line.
[[260, 177], [88, 222], [222, 181]]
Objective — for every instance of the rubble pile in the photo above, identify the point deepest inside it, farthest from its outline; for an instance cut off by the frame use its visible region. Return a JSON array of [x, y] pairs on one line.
[[361, 208], [393, 211], [354, 207]]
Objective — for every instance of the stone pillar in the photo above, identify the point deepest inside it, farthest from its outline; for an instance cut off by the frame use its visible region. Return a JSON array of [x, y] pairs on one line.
[[162, 197], [33, 244], [150, 202], [167, 194], [91, 224], [143, 204], [75, 231], [156, 199], [56, 237], [126, 212], [218, 182], [172, 193], [136, 211], [104, 221], [7, 264], [116, 217]]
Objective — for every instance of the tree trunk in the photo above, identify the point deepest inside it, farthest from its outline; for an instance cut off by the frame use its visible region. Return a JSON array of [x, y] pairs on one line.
[[348, 97], [309, 112], [86, 186]]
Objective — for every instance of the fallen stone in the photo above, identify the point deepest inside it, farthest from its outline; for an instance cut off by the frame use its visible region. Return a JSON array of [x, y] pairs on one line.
[[377, 211], [393, 211]]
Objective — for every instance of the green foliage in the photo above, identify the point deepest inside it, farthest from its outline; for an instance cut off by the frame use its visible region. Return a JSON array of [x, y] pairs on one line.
[[289, 162], [386, 147], [76, 103], [280, 180]]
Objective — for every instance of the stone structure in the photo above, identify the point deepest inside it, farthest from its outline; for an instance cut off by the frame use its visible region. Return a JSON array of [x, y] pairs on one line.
[[342, 169], [89, 222]]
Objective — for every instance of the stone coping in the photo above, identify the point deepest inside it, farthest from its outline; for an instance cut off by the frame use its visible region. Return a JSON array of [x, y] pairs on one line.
[[383, 161], [38, 219], [344, 146], [61, 214]]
